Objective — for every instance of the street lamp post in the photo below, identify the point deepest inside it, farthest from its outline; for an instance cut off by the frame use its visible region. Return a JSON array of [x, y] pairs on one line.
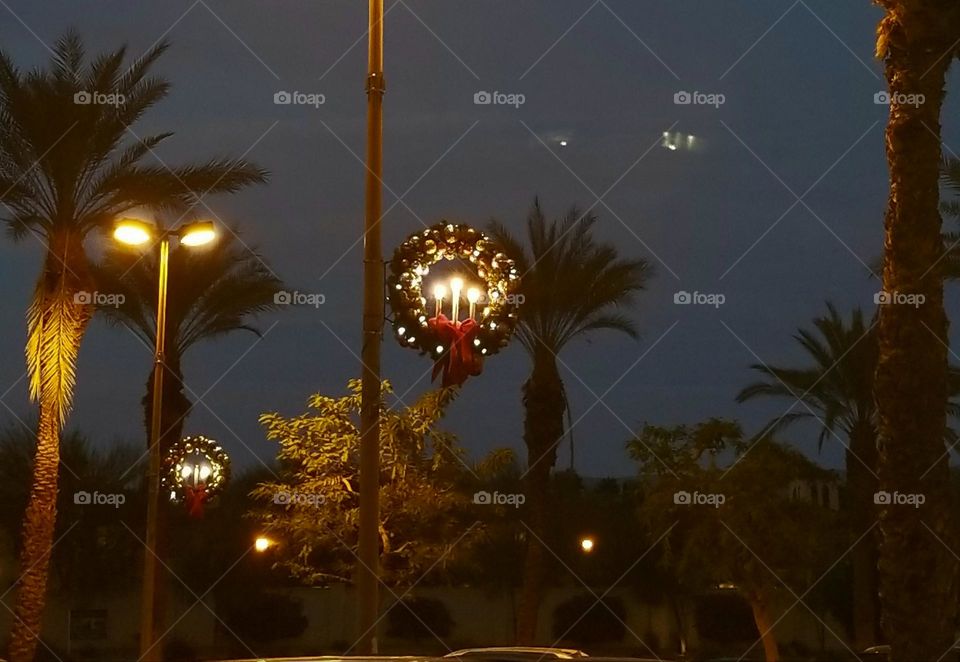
[[368, 557], [135, 232]]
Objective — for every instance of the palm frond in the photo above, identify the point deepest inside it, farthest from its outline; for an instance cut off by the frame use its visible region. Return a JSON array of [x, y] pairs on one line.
[[55, 325], [212, 292], [572, 284]]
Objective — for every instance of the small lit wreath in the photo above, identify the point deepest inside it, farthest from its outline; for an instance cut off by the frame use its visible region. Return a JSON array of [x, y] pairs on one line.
[[488, 296], [194, 471]]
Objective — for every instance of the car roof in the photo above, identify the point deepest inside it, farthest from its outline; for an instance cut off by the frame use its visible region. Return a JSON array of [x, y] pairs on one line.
[[342, 658], [519, 650]]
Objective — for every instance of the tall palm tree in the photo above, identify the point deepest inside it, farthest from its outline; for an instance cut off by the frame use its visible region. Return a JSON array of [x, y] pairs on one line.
[[212, 292], [837, 390], [917, 40], [573, 285], [69, 165]]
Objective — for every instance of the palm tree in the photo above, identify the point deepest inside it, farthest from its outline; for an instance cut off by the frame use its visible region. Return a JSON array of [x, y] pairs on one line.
[[211, 293], [573, 286], [917, 39], [70, 165], [837, 390]]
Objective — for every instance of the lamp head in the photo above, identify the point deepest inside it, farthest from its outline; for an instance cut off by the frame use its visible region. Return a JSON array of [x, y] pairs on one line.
[[133, 231], [197, 234]]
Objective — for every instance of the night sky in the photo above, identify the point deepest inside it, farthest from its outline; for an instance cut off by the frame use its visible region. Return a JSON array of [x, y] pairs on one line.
[[799, 122]]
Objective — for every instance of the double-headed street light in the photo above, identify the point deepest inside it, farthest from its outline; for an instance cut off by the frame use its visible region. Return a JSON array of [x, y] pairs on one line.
[[135, 232]]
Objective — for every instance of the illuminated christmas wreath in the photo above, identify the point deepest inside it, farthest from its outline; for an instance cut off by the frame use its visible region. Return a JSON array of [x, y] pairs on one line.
[[194, 470], [482, 305]]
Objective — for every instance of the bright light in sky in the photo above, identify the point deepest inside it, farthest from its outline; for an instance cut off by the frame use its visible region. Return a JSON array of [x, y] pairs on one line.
[[679, 141]]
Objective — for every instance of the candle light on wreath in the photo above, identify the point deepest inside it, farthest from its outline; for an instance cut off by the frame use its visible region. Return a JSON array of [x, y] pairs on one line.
[[456, 287], [439, 292], [473, 296]]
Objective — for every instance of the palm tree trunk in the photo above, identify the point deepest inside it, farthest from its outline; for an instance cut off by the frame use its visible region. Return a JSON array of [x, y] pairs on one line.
[[57, 320], [39, 522], [861, 466], [918, 573], [543, 428]]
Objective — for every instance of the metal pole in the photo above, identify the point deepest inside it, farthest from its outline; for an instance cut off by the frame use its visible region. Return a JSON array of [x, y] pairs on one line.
[[369, 538], [149, 652]]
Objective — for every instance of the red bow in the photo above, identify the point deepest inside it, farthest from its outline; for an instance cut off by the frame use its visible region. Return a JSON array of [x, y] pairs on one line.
[[195, 499], [458, 361]]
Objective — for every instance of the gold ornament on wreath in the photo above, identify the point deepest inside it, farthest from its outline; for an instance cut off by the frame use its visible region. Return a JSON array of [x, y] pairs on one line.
[[194, 470], [462, 321]]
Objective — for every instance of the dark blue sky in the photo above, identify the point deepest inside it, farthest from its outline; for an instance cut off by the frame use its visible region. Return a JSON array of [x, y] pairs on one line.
[[799, 81]]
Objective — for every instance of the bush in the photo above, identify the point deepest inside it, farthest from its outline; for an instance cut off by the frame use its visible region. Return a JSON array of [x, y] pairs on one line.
[[583, 620], [419, 618]]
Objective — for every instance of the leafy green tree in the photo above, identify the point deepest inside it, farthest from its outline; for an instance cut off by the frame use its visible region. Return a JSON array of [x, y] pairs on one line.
[[312, 507], [69, 167], [917, 41], [743, 525], [573, 285]]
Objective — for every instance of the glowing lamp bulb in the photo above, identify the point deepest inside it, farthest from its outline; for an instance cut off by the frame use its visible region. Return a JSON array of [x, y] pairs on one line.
[[197, 234], [132, 232], [473, 295]]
